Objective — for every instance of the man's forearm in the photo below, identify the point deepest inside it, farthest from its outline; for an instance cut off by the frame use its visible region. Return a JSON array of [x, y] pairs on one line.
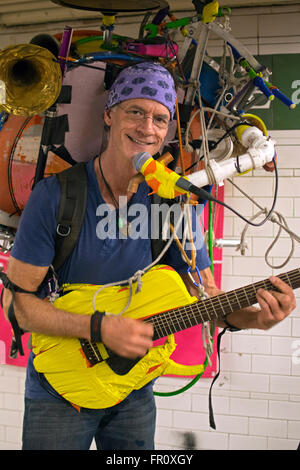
[[125, 336], [244, 319], [40, 316]]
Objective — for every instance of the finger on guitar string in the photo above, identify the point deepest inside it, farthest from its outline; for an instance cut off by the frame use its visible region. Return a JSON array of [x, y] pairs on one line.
[[275, 306]]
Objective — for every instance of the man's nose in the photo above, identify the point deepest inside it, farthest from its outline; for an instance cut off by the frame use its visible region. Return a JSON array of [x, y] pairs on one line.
[[146, 124]]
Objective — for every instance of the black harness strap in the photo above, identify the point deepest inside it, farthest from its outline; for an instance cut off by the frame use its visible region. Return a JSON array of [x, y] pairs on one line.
[[16, 345], [73, 184]]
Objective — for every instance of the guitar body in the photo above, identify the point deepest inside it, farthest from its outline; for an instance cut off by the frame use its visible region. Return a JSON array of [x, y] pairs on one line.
[[108, 382]]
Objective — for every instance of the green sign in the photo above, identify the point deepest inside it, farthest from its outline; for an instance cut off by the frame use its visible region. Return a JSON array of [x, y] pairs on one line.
[[285, 76]]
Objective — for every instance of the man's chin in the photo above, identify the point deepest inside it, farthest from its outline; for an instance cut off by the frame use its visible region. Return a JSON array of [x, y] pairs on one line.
[[144, 150]]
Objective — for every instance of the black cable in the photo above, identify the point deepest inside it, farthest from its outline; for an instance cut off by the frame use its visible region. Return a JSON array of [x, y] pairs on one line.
[[169, 42], [201, 193], [74, 64], [215, 144]]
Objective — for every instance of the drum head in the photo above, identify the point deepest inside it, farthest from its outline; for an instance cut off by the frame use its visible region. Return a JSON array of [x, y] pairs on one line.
[[110, 6]]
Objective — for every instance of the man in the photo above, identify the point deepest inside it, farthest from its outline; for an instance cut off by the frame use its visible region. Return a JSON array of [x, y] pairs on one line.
[[140, 105]]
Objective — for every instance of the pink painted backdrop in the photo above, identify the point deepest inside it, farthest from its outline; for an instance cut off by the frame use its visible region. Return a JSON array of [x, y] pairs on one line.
[[189, 349], [6, 333]]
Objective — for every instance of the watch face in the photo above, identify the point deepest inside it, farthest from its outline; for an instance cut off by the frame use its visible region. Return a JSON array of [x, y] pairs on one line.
[[113, 5]]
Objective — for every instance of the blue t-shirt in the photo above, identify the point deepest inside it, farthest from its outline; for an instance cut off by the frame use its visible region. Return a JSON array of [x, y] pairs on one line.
[[102, 254]]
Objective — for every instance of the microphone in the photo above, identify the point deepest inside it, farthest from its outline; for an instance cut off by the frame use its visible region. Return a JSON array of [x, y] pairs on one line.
[[168, 184], [163, 181]]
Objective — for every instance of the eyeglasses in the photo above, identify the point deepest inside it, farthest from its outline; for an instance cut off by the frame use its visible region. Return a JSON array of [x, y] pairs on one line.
[[137, 115]]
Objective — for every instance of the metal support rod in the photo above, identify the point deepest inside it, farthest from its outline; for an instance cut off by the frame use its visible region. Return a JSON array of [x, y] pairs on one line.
[[219, 31], [51, 113], [198, 62]]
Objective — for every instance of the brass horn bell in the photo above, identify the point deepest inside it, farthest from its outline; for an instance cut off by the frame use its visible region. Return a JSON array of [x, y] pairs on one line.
[[32, 79]]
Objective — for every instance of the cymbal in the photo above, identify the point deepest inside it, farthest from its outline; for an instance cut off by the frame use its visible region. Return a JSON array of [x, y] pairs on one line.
[[110, 6]]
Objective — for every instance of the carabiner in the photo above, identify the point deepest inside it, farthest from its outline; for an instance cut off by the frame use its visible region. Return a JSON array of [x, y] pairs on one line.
[[191, 277]]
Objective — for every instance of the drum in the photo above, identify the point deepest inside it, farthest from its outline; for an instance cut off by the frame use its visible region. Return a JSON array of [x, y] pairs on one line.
[[19, 147]]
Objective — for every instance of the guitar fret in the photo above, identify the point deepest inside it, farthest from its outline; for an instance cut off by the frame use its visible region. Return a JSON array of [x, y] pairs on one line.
[[188, 312], [255, 290], [237, 299], [246, 296], [287, 279], [207, 312], [199, 307], [218, 297], [172, 318], [229, 305], [165, 326], [189, 319], [158, 328], [179, 319], [195, 319], [232, 296]]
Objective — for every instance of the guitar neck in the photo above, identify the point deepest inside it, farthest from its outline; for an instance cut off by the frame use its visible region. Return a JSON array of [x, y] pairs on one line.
[[215, 308]]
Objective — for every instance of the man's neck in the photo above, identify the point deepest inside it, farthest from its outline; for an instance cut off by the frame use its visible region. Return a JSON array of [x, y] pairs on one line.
[[115, 174]]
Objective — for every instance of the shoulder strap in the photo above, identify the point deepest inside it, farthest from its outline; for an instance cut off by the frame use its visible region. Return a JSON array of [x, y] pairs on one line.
[[73, 184]]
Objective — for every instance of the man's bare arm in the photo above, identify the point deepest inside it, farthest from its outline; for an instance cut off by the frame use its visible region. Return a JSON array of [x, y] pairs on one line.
[[127, 337]]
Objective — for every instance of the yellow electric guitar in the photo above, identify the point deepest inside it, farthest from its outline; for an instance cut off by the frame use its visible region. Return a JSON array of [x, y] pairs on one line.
[[89, 375]]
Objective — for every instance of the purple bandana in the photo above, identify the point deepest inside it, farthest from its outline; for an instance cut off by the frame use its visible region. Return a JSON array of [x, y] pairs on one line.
[[144, 80]]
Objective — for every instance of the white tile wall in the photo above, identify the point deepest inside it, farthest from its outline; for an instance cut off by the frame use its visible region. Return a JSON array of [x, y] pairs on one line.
[[261, 376], [257, 396]]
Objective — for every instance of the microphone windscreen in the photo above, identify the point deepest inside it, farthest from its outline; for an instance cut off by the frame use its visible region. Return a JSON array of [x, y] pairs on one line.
[[139, 159]]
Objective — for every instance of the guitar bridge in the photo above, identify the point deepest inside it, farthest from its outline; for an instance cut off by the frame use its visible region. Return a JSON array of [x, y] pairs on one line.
[[119, 365], [91, 352]]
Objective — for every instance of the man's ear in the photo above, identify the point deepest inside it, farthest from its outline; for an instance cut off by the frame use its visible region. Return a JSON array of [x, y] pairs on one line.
[[107, 117]]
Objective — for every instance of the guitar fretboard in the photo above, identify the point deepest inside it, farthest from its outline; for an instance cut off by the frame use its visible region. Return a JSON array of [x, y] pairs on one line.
[[182, 318]]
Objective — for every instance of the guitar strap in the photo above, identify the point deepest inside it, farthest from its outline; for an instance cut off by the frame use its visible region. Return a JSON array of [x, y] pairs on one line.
[[210, 405], [233, 329]]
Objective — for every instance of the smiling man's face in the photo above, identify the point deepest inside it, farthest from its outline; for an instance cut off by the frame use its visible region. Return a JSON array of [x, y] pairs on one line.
[[135, 126]]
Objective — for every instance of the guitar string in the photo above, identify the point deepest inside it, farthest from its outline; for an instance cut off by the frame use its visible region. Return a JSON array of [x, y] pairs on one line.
[[209, 309], [182, 318], [224, 297], [292, 277], [188, 310], [244, 290]]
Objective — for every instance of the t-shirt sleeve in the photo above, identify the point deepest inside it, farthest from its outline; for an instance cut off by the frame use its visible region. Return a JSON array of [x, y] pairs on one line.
[[174, 257], [35, 238]]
